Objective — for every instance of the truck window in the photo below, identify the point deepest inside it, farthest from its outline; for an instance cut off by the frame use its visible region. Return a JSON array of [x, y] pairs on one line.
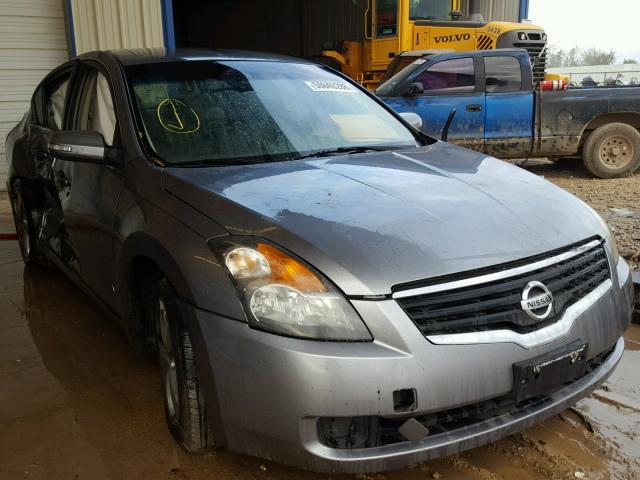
[[502, 74], [451, 76], [386, 18]]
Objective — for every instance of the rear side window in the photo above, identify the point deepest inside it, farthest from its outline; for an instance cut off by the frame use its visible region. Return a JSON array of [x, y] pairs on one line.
[[503, 74], [450, 76]]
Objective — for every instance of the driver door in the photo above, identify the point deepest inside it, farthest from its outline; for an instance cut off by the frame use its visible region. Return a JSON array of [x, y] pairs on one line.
[[88, 192], [446, 85]]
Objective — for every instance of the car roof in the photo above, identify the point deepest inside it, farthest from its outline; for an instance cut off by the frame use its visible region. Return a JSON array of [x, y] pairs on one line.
[[141, 56]]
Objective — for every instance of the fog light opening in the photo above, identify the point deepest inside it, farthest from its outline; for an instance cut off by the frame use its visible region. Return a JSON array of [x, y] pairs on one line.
[[404, 400]]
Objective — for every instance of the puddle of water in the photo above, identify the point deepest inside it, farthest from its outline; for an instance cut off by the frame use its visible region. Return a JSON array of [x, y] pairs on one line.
[[618, 429]]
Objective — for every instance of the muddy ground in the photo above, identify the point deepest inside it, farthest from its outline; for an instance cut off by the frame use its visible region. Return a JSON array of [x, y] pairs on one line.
[[616, 200], [76, 402]]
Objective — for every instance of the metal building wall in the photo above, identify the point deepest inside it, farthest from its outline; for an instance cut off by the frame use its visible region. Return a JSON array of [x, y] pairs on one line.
[[32, 42], [500, 10], [111, 24], [294, 27], [329, 20], [496, 10]]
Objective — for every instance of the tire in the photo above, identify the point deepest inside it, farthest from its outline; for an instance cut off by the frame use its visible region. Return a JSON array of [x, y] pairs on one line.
[[25, 228], [612, 151], [183, 398]]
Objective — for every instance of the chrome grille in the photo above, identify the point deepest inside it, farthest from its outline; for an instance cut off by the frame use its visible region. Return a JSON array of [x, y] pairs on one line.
[[490, 299]]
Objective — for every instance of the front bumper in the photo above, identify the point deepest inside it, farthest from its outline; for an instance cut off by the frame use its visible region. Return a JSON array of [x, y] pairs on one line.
[[265, 393]]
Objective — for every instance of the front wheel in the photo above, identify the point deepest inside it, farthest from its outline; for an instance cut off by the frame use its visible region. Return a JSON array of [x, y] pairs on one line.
[[183, 399], [23, 216], [612, 151]]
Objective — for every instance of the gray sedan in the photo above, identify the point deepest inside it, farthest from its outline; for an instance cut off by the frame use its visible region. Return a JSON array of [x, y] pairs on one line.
[[324, 285]]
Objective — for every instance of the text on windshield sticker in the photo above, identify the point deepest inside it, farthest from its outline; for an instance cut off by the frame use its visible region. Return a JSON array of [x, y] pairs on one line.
[[327, 86]]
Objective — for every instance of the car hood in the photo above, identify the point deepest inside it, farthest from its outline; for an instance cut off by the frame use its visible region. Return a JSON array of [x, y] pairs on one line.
[[371, 221]]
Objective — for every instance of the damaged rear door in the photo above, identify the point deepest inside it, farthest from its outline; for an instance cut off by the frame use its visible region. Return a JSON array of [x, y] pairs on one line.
[[88, 192]]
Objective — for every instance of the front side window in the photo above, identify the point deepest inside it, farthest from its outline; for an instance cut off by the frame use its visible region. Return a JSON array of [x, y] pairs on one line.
[[450, 76], [430, 10], [96, 112], [503, 74], [234, 112], [49, 102], [386, 18], [388, 86], [55, 106]]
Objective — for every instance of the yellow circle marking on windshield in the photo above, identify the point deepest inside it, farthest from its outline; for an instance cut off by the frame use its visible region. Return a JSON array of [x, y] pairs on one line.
[[177, 117]]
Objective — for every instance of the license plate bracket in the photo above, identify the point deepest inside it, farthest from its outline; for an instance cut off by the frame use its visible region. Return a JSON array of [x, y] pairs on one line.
[[542, 375]]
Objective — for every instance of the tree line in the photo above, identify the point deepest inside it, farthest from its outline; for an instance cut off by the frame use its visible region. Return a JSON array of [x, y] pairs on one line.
[[578, 57]]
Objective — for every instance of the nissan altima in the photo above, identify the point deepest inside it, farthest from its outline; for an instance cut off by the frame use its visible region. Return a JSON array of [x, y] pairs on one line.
[[324, 285]]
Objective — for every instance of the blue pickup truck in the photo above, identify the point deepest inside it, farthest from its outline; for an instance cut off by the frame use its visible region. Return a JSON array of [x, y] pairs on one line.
[[499, 112]]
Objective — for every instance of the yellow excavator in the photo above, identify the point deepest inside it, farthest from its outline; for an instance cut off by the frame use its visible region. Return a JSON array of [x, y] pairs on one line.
[[394, 26]]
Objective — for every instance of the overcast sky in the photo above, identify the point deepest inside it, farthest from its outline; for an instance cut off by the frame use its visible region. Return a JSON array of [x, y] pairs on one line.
[[605, 24]]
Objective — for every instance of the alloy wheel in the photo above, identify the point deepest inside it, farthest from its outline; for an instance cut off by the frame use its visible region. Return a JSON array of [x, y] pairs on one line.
[[22, 225], [167, 356]]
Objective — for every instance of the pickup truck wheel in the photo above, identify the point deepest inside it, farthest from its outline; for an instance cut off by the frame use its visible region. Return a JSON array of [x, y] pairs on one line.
[[25, 227], [612, 150], [183, 398]]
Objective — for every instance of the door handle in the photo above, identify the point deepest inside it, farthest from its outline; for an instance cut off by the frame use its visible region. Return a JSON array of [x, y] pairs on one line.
[[474, 107]]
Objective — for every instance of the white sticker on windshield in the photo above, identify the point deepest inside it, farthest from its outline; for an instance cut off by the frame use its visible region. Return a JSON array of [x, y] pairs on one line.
[[327, 86], [420, 61]]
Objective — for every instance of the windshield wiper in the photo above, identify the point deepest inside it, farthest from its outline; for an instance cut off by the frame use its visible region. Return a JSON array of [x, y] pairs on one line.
[[201, 163], [345, 151], [225, 162], [268, 157]]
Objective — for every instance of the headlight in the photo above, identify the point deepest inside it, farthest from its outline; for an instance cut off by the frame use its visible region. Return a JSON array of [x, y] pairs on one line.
[[522, 36], [544, 37], [613, 247], [608, 236], [283, 295]]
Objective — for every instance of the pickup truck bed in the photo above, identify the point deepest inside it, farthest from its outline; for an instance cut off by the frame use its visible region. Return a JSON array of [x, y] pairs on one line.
[[498, 111]]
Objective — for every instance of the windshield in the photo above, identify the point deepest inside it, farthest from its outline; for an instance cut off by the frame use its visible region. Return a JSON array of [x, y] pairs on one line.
[[387, 87], [234, 112], [430, 10]]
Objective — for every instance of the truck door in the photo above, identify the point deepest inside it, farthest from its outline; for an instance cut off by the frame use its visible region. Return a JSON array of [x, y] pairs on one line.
[[510, 106], [446, 85]]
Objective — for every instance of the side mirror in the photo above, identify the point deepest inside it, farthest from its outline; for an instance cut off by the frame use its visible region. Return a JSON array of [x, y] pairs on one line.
[[82, 146], [413, 90], [412, 119]]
